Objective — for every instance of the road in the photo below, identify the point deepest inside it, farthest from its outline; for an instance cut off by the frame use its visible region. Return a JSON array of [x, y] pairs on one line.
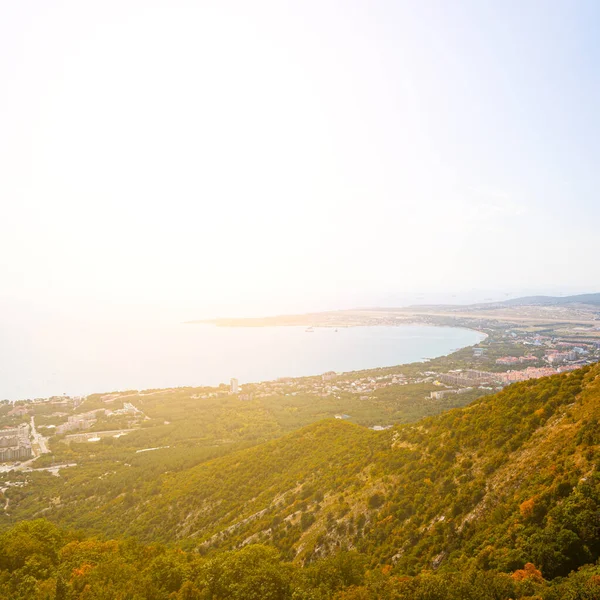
[[38, 438], [26, 467], [54, 469]]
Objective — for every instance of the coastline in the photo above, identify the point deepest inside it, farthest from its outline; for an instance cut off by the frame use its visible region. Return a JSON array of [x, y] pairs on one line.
[[517, 316], [266, 363]]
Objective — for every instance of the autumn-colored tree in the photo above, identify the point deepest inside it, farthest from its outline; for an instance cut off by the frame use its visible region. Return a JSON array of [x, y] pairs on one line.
[[354, 593], [526, 508], [529, 572]]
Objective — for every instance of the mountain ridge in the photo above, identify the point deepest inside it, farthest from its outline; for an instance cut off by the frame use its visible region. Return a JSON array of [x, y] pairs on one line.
[[418, 496], [592, 299], [411, 313], [498, 500]]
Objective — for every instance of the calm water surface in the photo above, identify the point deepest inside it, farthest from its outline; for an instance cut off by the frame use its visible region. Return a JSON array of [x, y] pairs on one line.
[[48, 359]]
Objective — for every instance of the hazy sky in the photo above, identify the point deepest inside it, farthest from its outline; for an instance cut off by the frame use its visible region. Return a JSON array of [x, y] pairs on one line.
[[204, 158]]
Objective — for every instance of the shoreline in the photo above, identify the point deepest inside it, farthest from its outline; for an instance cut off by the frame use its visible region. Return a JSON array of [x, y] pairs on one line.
[[170, 385]]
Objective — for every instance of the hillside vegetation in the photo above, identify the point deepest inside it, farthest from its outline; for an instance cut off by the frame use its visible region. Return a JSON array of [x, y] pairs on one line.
[[507, 481], [38, 561]]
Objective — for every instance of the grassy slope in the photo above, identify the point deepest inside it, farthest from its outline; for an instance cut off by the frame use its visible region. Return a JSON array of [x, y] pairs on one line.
[[508, 479]]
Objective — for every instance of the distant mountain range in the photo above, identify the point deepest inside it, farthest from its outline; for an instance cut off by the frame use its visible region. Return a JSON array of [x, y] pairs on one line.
[[553, 300], [590, 303], [588, 299]]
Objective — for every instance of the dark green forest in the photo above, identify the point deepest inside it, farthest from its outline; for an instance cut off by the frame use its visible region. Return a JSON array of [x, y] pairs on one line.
[[39, 561]]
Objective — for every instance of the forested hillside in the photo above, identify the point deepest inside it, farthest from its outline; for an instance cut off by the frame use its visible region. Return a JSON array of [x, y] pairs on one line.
[[38, 561], [507, 481]]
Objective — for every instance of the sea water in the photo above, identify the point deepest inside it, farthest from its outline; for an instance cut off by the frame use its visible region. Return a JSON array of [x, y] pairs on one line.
[[44, 359]]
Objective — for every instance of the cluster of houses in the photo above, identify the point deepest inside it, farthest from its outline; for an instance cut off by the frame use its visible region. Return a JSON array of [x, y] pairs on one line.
[[466, 379], [87, 419], [330, 383], [516, 360], [15, 443]]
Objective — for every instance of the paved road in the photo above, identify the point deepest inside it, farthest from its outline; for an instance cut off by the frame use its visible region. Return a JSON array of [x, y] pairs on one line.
[[41, 441]]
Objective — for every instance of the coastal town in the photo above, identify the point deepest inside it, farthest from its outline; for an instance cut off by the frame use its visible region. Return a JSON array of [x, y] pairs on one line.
[[531, 356], [510, 353]]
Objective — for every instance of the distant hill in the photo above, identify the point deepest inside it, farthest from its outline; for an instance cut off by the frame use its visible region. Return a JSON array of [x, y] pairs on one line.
[[593, 299], [587, 299], [369, 315]]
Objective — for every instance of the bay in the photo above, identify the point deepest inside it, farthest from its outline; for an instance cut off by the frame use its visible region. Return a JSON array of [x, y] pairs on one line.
[[53, 358]]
